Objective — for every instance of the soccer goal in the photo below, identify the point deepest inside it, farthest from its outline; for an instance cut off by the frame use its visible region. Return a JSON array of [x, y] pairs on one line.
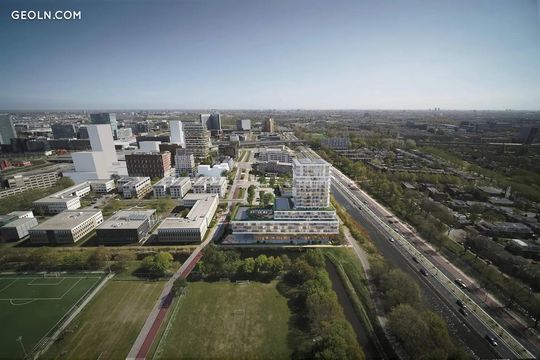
[[51, 275]]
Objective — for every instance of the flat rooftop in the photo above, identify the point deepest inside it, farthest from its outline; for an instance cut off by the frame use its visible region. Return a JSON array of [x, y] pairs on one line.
[[310, 161], [169, 181], [67, 220], [64, 195], [127, 219], [18, 222], [283, 204]]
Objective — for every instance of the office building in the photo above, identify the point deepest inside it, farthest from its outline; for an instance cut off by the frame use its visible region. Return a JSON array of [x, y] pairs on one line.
[[14, 215], [126, 226], [64, 131], [7, 130], [184, 163], [281, 154], [210, 185], [269, 125], [151, 164], [213, 171], [67, 199], [177, 132], [243, 125], [82, 133], [311, 183], [134, 187], [28, 180], [212, 122], [197, 139], [106, 118], [172, 186], [149, 146], [67, 227], [336, 143], [17, 229], [193, 227]]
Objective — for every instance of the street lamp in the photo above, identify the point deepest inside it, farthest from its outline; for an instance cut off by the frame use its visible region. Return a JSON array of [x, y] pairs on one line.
[[19, 339]]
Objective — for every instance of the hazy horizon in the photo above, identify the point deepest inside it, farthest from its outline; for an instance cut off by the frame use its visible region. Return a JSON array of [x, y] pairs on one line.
[[457, 55]]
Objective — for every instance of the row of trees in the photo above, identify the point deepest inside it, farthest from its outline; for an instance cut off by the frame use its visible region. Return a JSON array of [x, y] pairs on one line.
[[318, 317]]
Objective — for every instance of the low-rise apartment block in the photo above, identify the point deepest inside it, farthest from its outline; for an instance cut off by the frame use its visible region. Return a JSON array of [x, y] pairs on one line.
[[210, 185], [172, 186], [134, 187], [102, 186], [67, 199], [68, 227], [126, 226]]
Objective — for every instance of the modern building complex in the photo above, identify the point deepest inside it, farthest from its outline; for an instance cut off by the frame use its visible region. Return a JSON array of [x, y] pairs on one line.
[[151, 164], [134, 187], [67, 227], [193, 227], [276, 154], [17, 229], [101, 162], [7, 130], [64, 131], [67, 199], [311, 183], [336, 143], [269, 125], [197, 139], [126, 226], [33, 179], [106, 118], [177, 132], [212, 122], [243, 125], [210, 185], [102, 186], [172, 186], [184, 163]]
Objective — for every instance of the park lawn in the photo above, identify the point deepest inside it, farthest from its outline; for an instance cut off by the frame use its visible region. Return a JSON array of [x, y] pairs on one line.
[[228, 321], [108, 326]]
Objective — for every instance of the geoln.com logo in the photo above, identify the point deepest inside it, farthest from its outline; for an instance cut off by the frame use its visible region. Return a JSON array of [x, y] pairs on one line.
[[32, 15]]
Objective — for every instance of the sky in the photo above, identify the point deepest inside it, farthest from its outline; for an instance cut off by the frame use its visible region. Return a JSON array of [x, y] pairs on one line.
[[265, 54]]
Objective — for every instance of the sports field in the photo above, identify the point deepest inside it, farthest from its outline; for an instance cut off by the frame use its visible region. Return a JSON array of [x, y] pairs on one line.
[[109, 324], [227, 321], [31, 306]]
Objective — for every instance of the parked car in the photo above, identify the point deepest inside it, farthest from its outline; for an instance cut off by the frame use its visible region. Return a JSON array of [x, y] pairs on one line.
[[460, 283], [423, 272], [461, 304], [463, 311], [491, 340]]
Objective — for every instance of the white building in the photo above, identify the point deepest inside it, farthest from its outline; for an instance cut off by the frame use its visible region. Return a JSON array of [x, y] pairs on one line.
[[149, 146], [216, 170], [134, 186], [275, 154], [177, 132], [193, 227], [67, 227], [311, 183], [210, 185], [67, 199], [173, 186], [101, 162], [243, 125]]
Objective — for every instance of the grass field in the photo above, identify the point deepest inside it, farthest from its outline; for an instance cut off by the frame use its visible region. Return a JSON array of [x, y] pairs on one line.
[[110, 323], [227, 321], [32, 305]]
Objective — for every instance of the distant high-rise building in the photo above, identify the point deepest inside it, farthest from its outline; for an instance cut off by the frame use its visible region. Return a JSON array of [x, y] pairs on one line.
[[243, 125], [7, 130], [106, 118], [152, 164], [184, 163], [197, 139], [212, 122], [177, 132], [269, 125], [82, 133], [64, 131], [527, 134], [311, 183]]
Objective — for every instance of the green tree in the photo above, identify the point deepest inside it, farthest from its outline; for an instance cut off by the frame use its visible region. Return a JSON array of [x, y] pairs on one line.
[[98, 258]]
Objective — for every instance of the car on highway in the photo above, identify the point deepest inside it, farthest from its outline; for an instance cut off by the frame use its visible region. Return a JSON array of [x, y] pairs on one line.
[[415, 259], [423, 272], [491, 340], [461, 303], [461, 283], [391, 239], [463, 311]]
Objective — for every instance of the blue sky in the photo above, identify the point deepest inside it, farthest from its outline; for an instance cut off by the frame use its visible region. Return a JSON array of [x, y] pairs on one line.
[[225, 54]]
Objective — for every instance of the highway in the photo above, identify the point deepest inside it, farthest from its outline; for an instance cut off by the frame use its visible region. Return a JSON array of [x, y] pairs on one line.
[[438, 289]]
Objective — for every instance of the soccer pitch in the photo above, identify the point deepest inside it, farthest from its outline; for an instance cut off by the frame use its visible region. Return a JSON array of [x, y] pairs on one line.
[[33, 306]]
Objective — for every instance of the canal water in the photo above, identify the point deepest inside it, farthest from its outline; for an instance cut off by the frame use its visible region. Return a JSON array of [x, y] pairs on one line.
[[350, 315]]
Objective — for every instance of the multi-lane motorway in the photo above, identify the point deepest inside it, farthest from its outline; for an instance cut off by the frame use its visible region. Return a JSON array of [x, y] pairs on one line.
[[397, 244]]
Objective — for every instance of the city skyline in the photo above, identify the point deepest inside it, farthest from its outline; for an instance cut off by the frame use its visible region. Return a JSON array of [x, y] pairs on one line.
[[462, 55]]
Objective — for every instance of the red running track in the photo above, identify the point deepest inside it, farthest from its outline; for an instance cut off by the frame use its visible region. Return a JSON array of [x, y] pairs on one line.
[[162, 314]]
